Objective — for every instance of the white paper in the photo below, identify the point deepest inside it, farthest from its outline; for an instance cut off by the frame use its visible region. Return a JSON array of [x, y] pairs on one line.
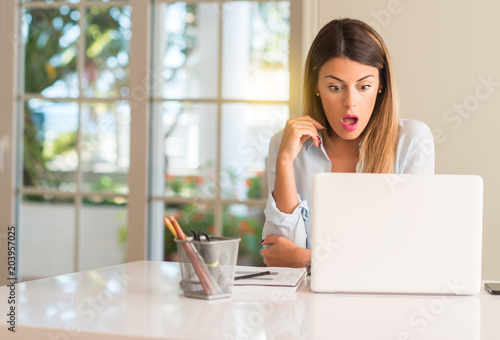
[[279, 277]]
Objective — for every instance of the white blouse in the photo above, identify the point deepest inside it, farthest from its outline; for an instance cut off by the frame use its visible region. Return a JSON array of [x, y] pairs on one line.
[[414, 155]]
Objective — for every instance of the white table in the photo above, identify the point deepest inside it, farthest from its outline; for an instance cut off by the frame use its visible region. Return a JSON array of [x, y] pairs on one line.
[[142, 300]]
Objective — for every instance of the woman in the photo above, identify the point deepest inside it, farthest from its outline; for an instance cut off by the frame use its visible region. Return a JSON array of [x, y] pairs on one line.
[[351, 125]]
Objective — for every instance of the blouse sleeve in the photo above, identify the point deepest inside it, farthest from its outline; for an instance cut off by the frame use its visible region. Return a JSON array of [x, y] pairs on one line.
[[291, 226], [421, 153]]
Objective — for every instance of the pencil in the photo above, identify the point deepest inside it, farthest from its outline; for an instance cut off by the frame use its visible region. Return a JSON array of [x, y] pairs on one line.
[[195, 259], [248, 276], [170, 227], [177, 228]]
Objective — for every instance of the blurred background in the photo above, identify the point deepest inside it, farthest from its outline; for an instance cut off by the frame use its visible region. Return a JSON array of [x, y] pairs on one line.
[[217, 79], [119, 112]]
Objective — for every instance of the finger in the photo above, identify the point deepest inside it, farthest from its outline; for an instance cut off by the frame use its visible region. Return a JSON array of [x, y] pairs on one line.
[[305, 128], [315, 139], [307, 121], [299, 129], [308, 126], [304, 138], [316, 124], [305, 132], [270, 239]]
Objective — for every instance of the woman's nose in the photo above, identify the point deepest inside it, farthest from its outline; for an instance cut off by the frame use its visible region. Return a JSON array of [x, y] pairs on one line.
[[349, 100]]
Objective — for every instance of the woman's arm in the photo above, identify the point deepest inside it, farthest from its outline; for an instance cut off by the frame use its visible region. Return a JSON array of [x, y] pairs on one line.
[[291, 226], [297, 131], [284, 230]]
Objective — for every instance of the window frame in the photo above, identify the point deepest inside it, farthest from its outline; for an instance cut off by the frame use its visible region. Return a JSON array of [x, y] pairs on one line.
[[9, 39], [78, 195], [294, 101]]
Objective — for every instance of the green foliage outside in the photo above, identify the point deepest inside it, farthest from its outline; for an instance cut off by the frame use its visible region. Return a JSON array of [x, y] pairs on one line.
[[50, 58], [200, 217], [254, 185]]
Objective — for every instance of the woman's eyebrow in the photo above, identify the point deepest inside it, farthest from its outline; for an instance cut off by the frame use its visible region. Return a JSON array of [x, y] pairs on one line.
[[367, 76]]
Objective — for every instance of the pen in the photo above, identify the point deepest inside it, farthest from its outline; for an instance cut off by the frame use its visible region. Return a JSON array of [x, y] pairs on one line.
[[247, 276]]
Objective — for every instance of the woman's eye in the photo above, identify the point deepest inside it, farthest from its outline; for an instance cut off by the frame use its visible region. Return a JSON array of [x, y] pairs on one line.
[[335, 88], [364, 87]]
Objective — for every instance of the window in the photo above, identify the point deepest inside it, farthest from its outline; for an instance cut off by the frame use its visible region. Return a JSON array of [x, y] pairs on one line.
[[219, 88], [76, 135]]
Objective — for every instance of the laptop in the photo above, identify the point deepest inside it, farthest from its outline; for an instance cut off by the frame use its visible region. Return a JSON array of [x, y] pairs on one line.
[[396, 234]]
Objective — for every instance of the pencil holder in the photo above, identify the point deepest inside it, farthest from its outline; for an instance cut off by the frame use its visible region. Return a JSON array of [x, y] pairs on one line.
[[207, 267]]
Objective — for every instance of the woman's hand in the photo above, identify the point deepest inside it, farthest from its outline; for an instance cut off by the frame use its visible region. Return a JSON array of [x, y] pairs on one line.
[[284, 253], [297, 131]]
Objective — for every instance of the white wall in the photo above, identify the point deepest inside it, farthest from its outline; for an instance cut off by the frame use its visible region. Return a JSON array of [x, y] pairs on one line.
[[444, 52]]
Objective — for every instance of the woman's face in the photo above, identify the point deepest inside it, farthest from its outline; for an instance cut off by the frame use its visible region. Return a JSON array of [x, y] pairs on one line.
[[348, 91]]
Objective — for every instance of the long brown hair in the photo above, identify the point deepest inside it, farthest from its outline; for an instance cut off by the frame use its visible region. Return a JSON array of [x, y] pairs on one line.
[[357, 41]]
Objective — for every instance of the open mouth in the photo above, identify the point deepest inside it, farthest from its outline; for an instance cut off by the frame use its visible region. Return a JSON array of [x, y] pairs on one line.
[[350, 122]]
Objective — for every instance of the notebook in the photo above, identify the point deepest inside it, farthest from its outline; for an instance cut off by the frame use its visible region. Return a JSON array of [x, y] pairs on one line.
[[387, 233], [280, 277]]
